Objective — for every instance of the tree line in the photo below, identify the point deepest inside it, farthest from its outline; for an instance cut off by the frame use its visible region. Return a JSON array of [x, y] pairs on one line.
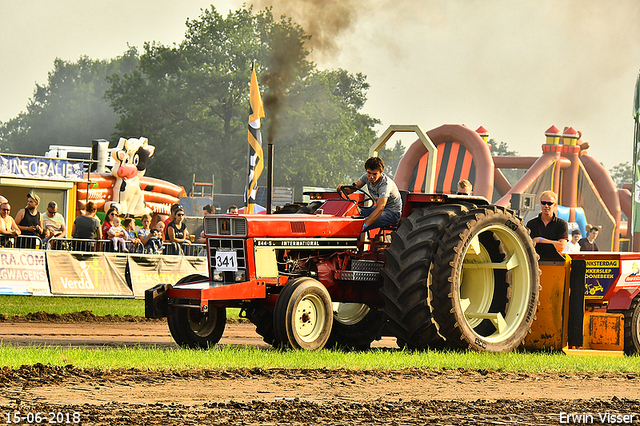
[[191, 100]]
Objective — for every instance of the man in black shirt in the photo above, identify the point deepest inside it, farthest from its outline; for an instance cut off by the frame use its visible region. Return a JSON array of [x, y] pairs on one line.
[[547, 228]]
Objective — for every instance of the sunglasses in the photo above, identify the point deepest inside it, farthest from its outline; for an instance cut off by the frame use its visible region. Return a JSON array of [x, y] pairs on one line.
[[180, 214], [547, 203], [6, 210]]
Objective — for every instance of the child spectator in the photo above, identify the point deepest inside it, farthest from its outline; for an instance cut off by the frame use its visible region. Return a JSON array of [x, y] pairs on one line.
[[129, 228], [118, 235], [150, 238]]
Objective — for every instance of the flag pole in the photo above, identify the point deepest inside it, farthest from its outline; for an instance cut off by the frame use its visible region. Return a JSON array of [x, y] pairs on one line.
[[255, 155]]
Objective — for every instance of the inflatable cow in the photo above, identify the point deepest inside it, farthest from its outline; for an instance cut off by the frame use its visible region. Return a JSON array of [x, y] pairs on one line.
[[131, 156]]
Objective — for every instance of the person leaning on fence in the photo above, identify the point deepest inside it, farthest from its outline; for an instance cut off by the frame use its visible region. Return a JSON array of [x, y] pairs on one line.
[[108, 220], [150, 238], [172, 216], [53, 223], [129, 228], [87, 226], [29, 219], [177, 230], [8, 227]]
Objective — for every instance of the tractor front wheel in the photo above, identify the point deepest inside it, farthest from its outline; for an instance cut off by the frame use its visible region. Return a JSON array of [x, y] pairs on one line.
[[191, 328], [303, 315]]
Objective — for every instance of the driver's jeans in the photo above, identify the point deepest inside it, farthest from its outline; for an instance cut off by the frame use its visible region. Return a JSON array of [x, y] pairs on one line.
[[386, 218]]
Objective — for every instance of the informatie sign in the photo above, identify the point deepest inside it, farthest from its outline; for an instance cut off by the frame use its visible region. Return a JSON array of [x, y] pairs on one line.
[[96, 274], [148, 271], [41, 168], [23, 272]]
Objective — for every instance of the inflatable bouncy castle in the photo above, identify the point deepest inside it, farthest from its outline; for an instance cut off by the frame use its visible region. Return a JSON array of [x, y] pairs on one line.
[[586, 192]]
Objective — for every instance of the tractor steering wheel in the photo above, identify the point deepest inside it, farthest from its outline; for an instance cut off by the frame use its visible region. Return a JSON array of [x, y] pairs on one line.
[[359, 204]]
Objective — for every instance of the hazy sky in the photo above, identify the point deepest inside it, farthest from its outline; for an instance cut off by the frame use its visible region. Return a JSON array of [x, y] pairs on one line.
[[514, 67]]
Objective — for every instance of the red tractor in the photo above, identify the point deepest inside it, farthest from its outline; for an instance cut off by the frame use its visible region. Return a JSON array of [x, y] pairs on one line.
[[455, 271]]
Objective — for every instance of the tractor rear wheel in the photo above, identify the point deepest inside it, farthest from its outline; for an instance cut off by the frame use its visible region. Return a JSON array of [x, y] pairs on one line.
[[485, 281], [632, 328], [191, 328], [302, 317], [355, 326], [406, 273]]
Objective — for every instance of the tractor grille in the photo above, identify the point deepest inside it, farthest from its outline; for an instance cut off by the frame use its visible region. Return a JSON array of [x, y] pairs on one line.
[[216, 244], [225, 225], [298, 228]]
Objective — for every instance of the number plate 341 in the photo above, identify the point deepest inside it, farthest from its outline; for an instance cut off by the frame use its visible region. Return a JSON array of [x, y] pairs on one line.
[[226, 261]]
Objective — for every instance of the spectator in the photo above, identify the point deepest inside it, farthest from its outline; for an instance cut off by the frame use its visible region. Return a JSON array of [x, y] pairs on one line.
[[172, 216], [117, 234], [207, 211], [233, 209], [177, 229], [108, 220], [53, 223], [150, 238], [160, 227], [547, 228], [29, 219], [573, 246], [8, 227], [129, 228], [465, 187], [589, 243], [87, 227]]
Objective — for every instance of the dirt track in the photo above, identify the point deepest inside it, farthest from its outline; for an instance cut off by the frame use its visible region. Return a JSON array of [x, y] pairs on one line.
[[330, 397]]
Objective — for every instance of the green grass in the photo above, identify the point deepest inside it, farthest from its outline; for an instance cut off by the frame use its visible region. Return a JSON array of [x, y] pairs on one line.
[[23, 305], [230, 357]]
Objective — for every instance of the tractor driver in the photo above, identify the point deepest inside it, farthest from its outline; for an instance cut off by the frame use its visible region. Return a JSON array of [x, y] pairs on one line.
[[547, 228], [383, 191]]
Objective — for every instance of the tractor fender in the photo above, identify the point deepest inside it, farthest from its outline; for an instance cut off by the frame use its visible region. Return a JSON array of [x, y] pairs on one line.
[[621, 299]]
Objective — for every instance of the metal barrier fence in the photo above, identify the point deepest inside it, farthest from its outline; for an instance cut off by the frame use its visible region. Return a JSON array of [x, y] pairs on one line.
[[107, 246], [22, 241]]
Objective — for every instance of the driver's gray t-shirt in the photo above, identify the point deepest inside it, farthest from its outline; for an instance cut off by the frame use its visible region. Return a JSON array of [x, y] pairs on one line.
[[385, 187]]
